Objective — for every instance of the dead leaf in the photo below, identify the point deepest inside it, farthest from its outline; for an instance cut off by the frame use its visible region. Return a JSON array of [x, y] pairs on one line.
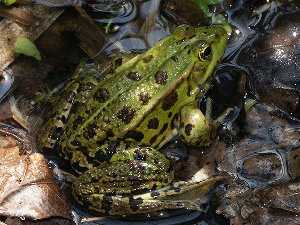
[[20, 16], [27, 188]]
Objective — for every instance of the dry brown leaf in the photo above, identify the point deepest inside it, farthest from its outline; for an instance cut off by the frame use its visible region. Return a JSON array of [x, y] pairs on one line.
[[18, 15], [27, 188]]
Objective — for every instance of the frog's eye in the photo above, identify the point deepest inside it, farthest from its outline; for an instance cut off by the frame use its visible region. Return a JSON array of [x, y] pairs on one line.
[[205, 53]]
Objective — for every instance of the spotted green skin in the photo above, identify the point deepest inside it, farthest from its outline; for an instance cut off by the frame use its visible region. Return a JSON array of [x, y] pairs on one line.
[[112, 125]]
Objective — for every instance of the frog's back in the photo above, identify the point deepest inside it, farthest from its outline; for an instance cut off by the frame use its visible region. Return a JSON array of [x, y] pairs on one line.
[[115, 106]]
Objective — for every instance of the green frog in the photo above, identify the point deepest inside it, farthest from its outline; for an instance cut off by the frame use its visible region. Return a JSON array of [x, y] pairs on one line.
[[111, 125]]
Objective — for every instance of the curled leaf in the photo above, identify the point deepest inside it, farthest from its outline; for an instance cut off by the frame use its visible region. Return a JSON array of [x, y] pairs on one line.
[[26, 47]]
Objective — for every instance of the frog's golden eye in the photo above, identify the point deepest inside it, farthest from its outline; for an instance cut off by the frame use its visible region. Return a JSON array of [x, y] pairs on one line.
[[205, 53]]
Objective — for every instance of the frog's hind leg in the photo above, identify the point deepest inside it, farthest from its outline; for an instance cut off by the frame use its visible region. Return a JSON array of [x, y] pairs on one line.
[[179, 195], [137, 181]]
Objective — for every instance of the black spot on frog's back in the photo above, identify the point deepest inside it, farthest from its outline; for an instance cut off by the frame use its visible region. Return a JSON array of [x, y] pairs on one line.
[[126, 114], [169, 101], [153, 123], [161, 77], [136, 135], [105, 152], [161, 131], [144, 97], [112, 147]]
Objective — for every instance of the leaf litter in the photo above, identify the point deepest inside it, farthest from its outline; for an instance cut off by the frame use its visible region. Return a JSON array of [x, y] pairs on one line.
[[27, 185]]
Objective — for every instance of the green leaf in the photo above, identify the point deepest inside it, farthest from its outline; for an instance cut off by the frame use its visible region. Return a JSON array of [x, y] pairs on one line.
[[8, 2], [24, 46]]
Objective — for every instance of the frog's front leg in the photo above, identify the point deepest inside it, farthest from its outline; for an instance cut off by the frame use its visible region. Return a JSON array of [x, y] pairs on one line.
[[195, 128]]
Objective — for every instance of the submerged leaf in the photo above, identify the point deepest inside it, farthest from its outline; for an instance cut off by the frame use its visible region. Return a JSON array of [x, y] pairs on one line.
[[24, 46]]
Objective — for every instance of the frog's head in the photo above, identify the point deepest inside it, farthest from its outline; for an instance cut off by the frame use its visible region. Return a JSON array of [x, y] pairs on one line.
[[205, 49]]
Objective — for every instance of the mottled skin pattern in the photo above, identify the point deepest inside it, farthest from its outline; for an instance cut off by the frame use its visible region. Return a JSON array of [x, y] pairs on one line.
[[101, 122]]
